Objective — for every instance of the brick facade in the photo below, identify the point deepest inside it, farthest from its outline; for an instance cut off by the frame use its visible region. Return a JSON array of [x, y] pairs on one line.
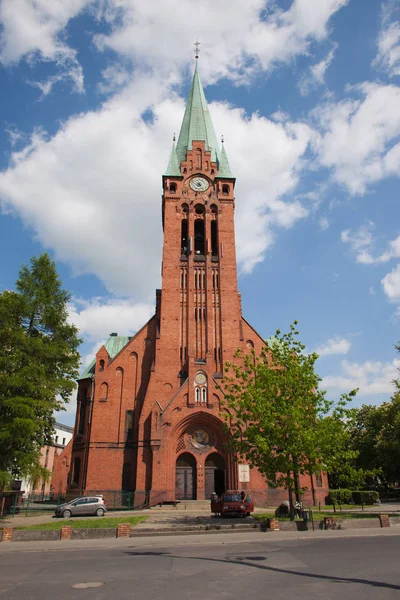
[[61, 467], [150, 419]]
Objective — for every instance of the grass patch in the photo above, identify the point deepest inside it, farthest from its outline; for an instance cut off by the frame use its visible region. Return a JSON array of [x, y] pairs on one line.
[[347, 507], [318, 516], [93, 523]]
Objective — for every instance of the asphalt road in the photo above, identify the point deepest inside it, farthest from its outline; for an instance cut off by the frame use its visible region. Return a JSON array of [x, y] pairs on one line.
[[338, 569]]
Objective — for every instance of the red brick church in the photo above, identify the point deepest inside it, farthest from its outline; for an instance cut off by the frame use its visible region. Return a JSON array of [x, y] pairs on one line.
[[149, 415]]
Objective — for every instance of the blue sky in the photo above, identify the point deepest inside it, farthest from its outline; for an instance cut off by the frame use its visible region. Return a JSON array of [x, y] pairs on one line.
[[307, 96]]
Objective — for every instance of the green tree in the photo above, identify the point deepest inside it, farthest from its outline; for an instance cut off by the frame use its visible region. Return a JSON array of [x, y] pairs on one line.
[[375, 437], [283, 424], [39, 363]]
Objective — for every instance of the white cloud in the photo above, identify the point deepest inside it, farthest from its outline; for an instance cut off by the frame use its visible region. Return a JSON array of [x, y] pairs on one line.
[[336, 345], [361, 242], [97, 318], [359, 136], [373, 378], [388, 56], [74, 73], [323, 223], [245, 36], [391, 284], [92, 192], [316, 74], [263, 178], [33, 30]]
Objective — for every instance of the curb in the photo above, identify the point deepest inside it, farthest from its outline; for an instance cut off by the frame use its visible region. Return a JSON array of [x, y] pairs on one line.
[[124, 530]]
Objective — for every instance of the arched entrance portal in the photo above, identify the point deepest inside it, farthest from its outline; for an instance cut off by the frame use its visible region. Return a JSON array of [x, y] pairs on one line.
[[215, 474], [185, 485]]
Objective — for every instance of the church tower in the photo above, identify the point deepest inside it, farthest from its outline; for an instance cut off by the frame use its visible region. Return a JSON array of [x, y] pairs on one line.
[[149, 417]]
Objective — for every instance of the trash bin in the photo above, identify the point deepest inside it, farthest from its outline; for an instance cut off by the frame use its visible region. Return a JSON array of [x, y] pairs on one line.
[[306, 515]]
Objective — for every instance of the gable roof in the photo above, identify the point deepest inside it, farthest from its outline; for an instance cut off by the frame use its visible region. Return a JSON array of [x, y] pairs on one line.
[[113, 345]]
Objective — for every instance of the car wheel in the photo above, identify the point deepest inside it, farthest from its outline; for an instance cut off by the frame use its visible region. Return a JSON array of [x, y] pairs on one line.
[[100, 512], [67, 514]]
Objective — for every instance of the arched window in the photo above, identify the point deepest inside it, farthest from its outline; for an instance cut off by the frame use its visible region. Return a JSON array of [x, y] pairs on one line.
[[82, 417], [77, 471], [103, 392], [200, 381], [184, 237], [199, 209], [214, 238], [199, 245], [101, 365], [225, 189]]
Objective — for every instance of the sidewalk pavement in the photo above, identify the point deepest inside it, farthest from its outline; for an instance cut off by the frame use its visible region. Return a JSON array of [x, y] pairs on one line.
[[195, 538]]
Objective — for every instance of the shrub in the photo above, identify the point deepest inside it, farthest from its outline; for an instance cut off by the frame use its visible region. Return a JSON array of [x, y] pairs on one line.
[[390, 493], [341, 496], [365, 496]]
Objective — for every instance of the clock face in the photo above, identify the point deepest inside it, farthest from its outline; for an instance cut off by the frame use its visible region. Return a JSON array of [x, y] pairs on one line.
[[200, 378], [199, 184]]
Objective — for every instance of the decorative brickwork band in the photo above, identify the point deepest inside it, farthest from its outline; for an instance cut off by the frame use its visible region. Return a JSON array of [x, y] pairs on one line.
[[273, 525], [7, 534], [123, 530], [66, 531], [384, 520]]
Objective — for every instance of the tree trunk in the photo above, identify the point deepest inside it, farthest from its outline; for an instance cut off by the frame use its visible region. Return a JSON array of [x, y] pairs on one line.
[[297, 486], [312, 489], [290, 496]]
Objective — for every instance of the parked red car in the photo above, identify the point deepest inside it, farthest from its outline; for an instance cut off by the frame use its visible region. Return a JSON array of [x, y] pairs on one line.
[[233, 504]]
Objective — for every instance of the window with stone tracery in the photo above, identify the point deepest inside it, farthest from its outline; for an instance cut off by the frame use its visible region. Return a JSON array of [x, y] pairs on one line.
[[200, 390]]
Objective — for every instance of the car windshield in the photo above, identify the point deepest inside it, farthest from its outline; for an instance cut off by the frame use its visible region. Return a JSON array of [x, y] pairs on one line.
[[232, 498]]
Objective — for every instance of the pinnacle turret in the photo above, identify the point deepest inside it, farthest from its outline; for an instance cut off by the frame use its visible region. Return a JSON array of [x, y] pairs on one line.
[[224, 170], [173, 169]]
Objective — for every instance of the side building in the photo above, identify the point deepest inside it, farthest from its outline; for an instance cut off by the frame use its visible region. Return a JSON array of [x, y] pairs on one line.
[[150, 417], [49, 455]]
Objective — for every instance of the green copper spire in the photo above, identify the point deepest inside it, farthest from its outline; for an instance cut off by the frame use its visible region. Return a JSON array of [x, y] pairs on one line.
[[173, 169], [196, 124], [224, 169]]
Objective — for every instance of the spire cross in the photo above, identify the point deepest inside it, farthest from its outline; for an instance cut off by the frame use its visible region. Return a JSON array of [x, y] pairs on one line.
[[196, 49]]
